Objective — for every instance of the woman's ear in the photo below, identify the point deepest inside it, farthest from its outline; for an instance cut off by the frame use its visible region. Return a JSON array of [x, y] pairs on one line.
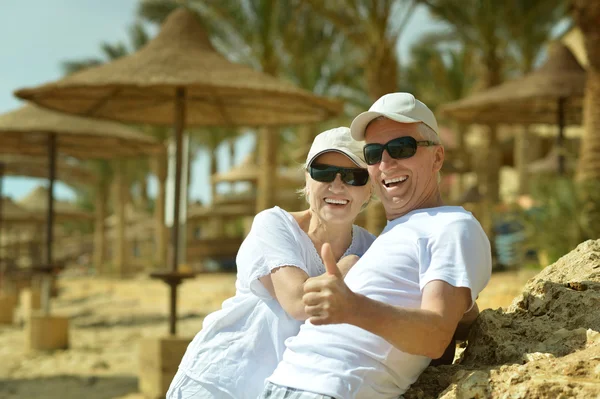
[[439, 158]]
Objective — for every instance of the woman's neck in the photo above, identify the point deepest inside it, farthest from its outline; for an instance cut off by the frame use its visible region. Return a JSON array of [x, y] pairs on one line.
[[338, 235]]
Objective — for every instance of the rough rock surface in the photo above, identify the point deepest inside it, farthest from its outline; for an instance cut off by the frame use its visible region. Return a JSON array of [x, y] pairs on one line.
[[545, 345]]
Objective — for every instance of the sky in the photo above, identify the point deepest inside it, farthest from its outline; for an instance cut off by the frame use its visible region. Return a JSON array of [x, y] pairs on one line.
[[37, 35]]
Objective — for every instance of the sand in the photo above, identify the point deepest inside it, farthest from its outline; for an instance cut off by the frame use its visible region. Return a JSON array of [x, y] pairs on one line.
[[108, 318]]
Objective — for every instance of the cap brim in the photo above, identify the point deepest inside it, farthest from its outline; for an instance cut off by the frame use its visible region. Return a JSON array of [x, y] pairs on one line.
[[359, 124], [357, 161]]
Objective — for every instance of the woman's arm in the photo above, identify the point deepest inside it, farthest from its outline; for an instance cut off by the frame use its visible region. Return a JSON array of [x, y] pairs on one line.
[[286, 285]]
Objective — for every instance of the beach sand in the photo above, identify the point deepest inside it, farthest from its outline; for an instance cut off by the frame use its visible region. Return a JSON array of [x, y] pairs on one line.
[[107, 320]]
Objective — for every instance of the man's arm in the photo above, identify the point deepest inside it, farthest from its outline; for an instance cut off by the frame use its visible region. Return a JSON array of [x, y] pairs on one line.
[[426, 331], [464, 325]]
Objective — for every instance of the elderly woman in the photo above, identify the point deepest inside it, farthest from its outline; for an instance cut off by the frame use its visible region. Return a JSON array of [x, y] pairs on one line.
[[241, 344]]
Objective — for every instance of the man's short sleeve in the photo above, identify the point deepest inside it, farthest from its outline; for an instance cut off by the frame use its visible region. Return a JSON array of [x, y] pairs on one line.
[[269, 245], [459, 255]]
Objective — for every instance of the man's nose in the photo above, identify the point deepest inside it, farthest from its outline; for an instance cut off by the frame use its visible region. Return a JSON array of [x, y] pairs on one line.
[[386, 160]]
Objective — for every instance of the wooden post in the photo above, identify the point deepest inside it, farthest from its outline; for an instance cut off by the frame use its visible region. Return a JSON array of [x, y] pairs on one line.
[[522, 158], [99, 228], [120, 237], [161, 236]]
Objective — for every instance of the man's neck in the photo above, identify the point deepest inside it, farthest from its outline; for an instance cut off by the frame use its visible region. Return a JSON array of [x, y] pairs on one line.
[[432, 201]]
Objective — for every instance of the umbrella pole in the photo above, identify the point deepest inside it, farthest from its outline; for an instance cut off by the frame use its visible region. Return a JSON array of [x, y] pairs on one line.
[[1, 243], [560, 137], [46, 275], [179, 123]]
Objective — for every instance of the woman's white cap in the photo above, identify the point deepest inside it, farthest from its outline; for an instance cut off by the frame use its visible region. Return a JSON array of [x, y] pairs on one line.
[[338, 140]]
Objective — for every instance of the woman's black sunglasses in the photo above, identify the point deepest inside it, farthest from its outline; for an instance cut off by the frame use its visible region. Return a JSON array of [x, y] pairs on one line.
[[327, 174], [400, 148]]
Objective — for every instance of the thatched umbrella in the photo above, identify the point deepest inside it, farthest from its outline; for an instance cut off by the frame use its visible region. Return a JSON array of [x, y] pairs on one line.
[[249, 171], [33, 131], [224, 210], [288, 198], [17, 165], [68, 172], [179, 79], [551, 95], [37, 202]]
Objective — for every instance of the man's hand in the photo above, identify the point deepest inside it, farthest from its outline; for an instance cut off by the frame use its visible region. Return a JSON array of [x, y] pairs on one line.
[[327, 299]]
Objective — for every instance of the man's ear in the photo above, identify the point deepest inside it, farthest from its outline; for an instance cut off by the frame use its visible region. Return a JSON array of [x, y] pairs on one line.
[[438, 158]]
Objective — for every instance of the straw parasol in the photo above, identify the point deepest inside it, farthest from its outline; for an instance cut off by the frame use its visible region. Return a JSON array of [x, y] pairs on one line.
[[36, 202], [33, 131], [249, 171], [221, 210], [287, 198], [15, 214], [68, 172], [551, 94], [179, 79]]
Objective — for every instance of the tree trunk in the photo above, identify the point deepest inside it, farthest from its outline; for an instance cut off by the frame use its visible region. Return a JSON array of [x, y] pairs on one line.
[[144, 199], [231, 146], [99, 228], [587, 17], [160, 230], [588, 167], [522, 157], [213, 171], [268, 143], [459, 137], [381, 77]]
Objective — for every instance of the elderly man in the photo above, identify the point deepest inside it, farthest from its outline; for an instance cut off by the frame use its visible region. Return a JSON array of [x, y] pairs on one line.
[[371, 335]]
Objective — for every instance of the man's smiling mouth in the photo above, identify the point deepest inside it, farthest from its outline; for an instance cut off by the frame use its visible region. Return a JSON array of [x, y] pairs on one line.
[[394, 181]]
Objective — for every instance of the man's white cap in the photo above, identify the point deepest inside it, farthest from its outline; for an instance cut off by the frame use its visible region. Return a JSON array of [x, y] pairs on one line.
[[338, 140], [399, 107]]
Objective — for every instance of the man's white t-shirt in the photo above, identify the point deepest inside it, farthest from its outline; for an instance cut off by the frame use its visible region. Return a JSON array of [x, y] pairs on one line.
[[344, 361], [240, 345]]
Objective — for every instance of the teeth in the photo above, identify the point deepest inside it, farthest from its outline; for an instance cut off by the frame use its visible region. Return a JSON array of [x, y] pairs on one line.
[[395, 180], [336, 201]]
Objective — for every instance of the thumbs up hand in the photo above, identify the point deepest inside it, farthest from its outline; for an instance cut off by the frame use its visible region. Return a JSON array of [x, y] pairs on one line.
[[327, 299]]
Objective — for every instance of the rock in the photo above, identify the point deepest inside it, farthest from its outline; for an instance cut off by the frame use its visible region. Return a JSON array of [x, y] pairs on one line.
[[545, 345], [100, 365]]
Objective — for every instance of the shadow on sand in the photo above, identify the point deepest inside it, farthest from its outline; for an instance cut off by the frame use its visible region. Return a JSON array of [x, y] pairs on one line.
[[68, 387]]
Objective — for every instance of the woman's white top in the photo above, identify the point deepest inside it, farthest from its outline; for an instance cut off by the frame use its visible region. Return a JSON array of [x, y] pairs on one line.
[[240, 345]]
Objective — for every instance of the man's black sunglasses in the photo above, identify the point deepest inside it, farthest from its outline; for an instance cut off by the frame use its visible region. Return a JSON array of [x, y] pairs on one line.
[[327, 173], [399, 148]]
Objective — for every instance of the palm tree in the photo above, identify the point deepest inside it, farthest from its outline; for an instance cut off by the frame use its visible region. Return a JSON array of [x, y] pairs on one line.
[[479, 25], [437, 74], [247, 33], [586, 14], [530, 26], [374, 27]]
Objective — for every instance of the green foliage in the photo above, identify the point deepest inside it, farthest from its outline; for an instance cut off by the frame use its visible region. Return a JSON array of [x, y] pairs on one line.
[[438, 73], [554, 226], [505, 36], [590, 209]]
